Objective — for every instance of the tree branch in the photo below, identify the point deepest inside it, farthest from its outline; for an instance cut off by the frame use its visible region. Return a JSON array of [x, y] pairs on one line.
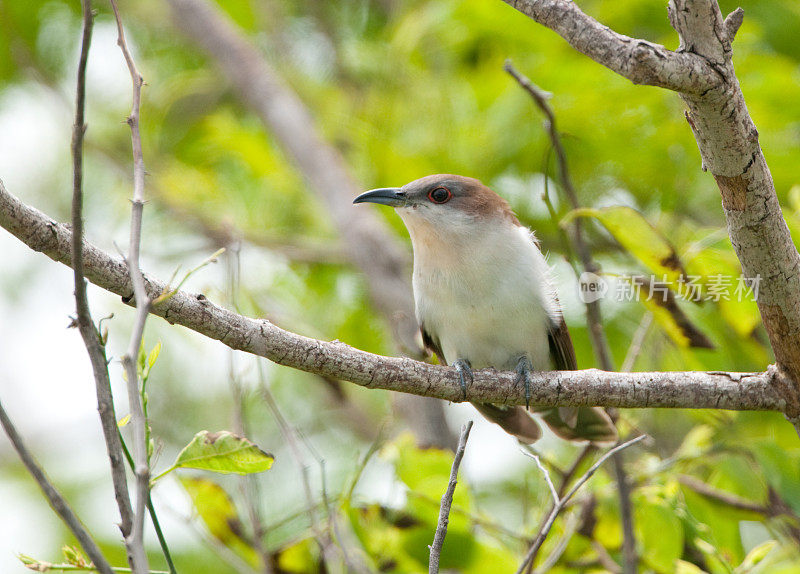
[[141, 469], [702, 71], [679, 389], [640, 61], [447, 502], [53, 496], [73, 252]]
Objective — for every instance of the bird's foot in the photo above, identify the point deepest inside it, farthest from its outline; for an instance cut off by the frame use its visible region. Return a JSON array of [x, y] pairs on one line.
[[523, 371], [464, 375]]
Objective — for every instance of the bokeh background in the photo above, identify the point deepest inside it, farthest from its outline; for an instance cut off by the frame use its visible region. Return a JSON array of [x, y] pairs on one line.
[[401, 89]]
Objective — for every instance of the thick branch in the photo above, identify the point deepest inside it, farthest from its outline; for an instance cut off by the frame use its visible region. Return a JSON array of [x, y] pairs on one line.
[[728, 142], [640, 61], [368, 241], [735, 391], [702, 71]]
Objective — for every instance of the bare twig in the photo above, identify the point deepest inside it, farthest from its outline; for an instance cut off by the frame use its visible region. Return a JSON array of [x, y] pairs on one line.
[[91, 338], [57, 502], [566, 478], [249, 484], [289, 433], [562, 501], [135, 540], [726, 498], [545, 473], [635, 347], [630, 558], [447, 502], [593, 315]]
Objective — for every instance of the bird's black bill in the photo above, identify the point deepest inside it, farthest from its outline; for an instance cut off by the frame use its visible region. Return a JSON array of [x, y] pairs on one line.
[[385, 196]]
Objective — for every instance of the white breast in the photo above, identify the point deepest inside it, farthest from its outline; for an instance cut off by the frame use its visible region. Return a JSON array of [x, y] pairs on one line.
[[483, 291]]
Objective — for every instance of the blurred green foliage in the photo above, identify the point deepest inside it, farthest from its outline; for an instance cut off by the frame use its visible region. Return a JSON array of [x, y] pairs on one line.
[[404, 89]]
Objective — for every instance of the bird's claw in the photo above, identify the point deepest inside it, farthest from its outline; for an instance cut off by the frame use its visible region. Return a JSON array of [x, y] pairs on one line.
[[523, 371], [464, 374]]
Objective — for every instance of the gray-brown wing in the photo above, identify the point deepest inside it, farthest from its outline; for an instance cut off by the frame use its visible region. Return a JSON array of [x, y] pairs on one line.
[[431, 342], [582, 423], [561, 349]]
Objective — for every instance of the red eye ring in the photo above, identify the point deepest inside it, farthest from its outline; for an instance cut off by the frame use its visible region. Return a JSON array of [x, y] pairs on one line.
[[436, 196]]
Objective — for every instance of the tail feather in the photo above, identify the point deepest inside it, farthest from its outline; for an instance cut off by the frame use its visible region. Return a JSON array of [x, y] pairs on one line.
[[582, 423], [514, 420], [576, 424]]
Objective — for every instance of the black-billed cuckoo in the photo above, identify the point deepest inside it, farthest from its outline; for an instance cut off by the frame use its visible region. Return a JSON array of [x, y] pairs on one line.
[[485, 298]]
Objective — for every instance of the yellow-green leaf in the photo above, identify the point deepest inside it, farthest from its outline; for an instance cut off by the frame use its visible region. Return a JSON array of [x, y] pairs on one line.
[[755, 556], [153, 356], [683, 567], [662, 304], [218, 512], [222, 452], [638, 237]]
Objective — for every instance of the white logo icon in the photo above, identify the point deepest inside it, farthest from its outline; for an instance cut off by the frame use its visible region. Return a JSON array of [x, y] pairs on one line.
[[591, 287]]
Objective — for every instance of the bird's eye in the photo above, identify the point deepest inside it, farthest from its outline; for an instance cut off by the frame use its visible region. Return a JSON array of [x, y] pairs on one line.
[[440, 195]]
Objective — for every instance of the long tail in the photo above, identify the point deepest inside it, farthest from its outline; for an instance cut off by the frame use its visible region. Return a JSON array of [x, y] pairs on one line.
[[514, 420], [582, 423], [576, 424]]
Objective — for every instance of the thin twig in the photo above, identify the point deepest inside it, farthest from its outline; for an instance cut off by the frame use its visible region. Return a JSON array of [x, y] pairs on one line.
[[566, 478], [594, 317], [57, 502], [135, 540], [553, 558], [540, 537], [162, 541], [546, 475], [630, 558], [249, 484], [725, 498], [291, 435], [447, 502], [636, 342], [42, 566], [91, 339]]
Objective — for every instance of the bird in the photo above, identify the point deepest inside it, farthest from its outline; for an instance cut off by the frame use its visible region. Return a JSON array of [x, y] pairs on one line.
[[484, 296]]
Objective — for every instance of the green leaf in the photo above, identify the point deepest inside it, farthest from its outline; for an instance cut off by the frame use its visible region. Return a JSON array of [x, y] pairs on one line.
[[683, 567], [153, 356], [696, 443], [638, 237], [755, 556], [218, 512], [660, 531], [222, 452]]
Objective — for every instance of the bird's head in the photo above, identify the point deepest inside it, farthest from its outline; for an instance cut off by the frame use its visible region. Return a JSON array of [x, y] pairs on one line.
[[442, 202]]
